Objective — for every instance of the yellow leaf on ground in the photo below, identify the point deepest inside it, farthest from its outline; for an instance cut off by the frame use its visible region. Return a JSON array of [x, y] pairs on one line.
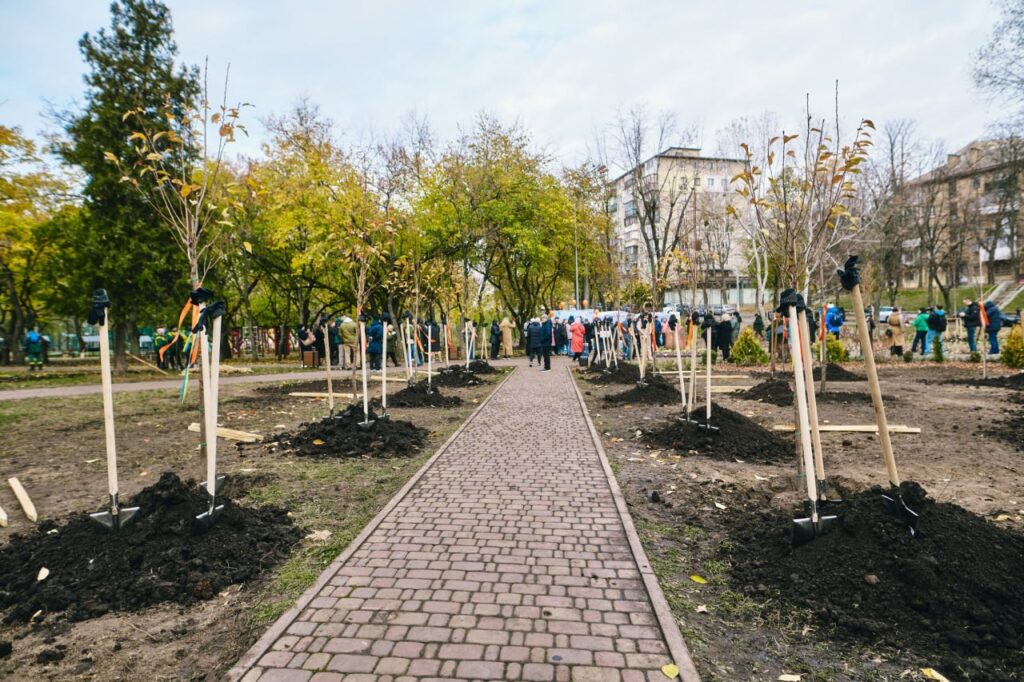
[[698, 579], [317, 441], [932, 674], [1001, 517], [43, 572], [671, 671], [702, 608]]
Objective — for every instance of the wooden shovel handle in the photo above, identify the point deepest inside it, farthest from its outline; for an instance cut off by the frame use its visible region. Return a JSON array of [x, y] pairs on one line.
[[876, 390]]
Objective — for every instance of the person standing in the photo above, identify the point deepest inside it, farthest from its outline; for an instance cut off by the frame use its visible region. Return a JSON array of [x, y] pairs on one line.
[[159, 341], [758, 326], [533, 340], [547, 339], [33, 347], [972, 320], [349, 338], [495, 338], [936, 324], [834, 320], [724, 336], [506, 337], [896, 332], [393, 341], [375, 345], [995, 323], [578, 334], [920, 325]]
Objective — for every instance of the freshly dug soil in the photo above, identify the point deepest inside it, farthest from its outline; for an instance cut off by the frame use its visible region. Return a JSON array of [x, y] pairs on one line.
[[456, 376], [417, 396], [1014, 381], [774, 392], [737, 437], [656, 392], [837, 373], [164, 555], [623, 373], [1009, 429], [954, 595], [342, 436], [482, 367]]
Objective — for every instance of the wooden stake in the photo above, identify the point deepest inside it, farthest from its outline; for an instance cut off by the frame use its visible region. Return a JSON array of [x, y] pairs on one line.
[[384, 367], [430, 356], [693, 365], [23, 499], [327, 364], [362, 357], [108, 406], [3, 518], [804, 422], [707, 382], [852, 428], [210, 398], [679, 368], [230, 434], [147, 364]]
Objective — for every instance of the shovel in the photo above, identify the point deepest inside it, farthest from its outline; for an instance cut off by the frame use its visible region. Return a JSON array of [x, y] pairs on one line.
[[367, 423], [894, 502], [211, 375], [430, 357], [682, 377], [812, 401], [806, 529], [117, 516], [707, 390], [385, 319]]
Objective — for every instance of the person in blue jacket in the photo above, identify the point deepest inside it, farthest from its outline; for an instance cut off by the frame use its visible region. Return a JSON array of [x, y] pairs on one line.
[[546, 341], [374, 345], [834, 320], [995, 323]]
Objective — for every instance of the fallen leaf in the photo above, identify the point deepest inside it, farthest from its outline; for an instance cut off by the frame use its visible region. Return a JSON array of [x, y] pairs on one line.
[[92, 461], [36, 616], [43, 572], [932, 674], [787, 677], [671, 671], [319, 535], [720, 505], [317, 441], [1002, 517], [760, 478], [702, 608], [698, 579]]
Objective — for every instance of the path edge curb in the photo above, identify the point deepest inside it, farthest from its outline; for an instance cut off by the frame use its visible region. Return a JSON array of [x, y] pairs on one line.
[[248, 660], [669, 627]]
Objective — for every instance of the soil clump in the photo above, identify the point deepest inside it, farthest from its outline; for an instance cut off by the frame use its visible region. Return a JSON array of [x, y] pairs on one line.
[[623, 373], [954, 594], [774, 392], [837, 373], [656, 392], [737, 437], [456, 376], [417, 396], [164, 555], [482, 367], [343, 436]]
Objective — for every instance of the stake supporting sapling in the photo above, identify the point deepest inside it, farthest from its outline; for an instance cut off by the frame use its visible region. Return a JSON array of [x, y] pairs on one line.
[[385, 318], [327, 364], [430, 358], [366, 424], [682, 377], [211, 320], [117, 516], [850, 278], [692, 341]]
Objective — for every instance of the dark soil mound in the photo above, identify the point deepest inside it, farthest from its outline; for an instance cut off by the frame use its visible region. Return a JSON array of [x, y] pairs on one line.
[[456, 376], [417, 396], [1014, 381], [342, 436], [656, 392], [1009, 429], [780, 392], [774, 392], [164, 555], [623, 373], [954, 594], [837, 373], [737, 437], [482, 367]]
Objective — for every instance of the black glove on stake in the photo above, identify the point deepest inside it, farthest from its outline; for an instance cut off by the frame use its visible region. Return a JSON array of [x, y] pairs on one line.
[[849, 276], [117, 516]]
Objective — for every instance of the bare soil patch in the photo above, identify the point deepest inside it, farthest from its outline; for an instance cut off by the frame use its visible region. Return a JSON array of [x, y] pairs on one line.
[[346, 435]]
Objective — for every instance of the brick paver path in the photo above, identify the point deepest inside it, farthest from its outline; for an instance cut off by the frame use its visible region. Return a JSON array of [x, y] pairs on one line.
[[507, 559]]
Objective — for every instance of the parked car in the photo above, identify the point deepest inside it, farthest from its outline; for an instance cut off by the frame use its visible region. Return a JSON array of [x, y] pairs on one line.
[[884, 312]]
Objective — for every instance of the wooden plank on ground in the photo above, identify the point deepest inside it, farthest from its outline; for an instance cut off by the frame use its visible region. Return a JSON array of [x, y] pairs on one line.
[[313, 394], [853, 428], [729, 389], [3, 517], [23, 498], [231, 434]]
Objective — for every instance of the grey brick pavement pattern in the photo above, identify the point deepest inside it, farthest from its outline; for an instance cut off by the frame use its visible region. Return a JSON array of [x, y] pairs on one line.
[[507, 560]]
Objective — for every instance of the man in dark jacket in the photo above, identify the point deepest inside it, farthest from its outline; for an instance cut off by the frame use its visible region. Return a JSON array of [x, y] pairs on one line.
[[546, 339], [972, 320], [533, 341], [995, 323], [724, 336], [936, 324], [495, 339], [374, 343]]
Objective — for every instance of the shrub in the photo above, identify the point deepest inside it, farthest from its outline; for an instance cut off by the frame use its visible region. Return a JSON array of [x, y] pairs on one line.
[[975, 356], [1013, 348], [835, 351], [747, 350], [937, 354], [908, 356]]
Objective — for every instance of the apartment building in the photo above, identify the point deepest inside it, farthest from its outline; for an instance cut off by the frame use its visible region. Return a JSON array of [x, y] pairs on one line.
[[678, 197]]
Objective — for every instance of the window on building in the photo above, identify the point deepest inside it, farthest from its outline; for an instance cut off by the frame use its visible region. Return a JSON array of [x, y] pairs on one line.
[[710, 183], [630, 208], [684, 183], [975, 182], [632, 254], [951, 185]]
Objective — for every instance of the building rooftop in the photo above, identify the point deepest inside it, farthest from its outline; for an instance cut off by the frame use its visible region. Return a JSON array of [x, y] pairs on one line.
[[681, 153], [975, 157]]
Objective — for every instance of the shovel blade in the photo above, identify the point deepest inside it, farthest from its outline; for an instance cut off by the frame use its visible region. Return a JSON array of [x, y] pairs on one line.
[[116, 518], [367, 425], [897, 507], [806, 530], [207, 516]]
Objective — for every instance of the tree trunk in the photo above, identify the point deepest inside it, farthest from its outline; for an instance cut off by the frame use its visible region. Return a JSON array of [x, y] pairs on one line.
[[120, 348], [133, 330]]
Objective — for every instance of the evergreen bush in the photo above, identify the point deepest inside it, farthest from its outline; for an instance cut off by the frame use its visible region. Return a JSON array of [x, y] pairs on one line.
[[1013, 348], [747, 350]]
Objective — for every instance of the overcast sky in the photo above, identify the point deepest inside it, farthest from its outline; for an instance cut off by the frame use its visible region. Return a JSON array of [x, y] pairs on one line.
[[560, 67]]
